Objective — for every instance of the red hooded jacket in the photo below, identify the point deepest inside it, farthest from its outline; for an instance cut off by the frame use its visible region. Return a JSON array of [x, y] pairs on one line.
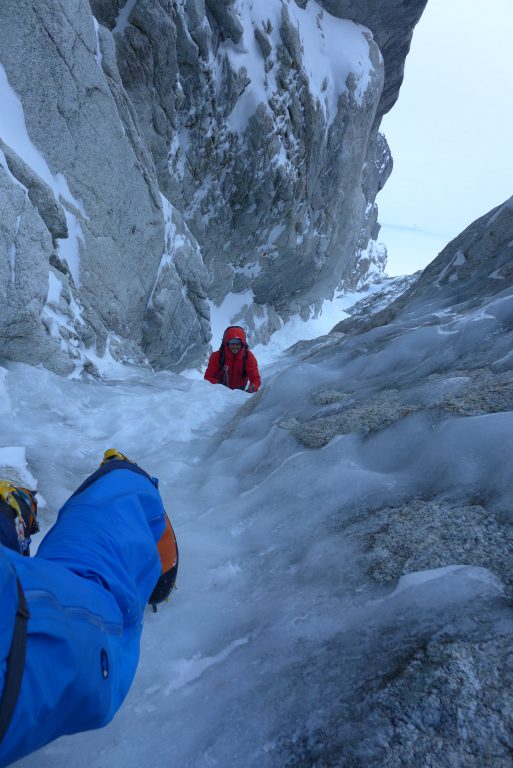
[[231, 371]]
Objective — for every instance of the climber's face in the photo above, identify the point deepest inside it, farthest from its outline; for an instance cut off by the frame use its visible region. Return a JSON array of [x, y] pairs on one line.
[[235, 345]]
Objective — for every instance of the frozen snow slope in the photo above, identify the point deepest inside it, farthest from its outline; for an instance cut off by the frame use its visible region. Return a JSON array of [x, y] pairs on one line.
[[344, 596]]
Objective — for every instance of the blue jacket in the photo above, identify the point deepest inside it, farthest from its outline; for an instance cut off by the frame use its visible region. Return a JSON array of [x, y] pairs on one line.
[[86, 590]]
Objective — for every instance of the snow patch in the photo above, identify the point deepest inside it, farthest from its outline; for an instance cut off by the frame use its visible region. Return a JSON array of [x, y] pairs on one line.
[[13, 132], [459, 259], [122, 21], [69, 247], [14, 467], [332, 49], [172, 241], [508, 204], [178, 151], [187, 670], [319, 324], [415, 579], [275, 233], [249, 270], [98, 54], [54, 289]]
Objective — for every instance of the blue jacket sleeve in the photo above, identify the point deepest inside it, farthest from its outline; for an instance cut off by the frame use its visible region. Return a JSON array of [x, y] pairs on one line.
[[86, 590]]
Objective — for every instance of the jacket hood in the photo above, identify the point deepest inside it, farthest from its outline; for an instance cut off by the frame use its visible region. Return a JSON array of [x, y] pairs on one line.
[[234, 332]]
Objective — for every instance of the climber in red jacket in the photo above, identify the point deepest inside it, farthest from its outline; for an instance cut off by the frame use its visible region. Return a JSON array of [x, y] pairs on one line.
[[233, 364]]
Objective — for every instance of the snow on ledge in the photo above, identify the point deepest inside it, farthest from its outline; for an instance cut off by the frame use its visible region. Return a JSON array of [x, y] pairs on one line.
[[332, 49], [475, 573], [14, 467], [98, 55], [501, 209]]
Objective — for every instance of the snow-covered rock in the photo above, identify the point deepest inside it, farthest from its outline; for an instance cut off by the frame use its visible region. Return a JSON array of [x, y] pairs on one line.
[[268, 110], [392, 23], [66, 119], [477, 263]]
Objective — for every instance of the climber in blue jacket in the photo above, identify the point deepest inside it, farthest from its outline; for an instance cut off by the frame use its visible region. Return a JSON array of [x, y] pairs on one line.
[[71, 617]]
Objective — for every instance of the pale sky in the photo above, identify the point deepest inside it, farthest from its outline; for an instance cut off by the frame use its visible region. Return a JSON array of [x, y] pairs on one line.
[[451, 130]]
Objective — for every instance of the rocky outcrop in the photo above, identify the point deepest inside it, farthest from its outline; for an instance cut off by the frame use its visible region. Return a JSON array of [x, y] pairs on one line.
[[256, 123], [26, 246], [39, 193], [169, 332], [392, 25], [478, 262]]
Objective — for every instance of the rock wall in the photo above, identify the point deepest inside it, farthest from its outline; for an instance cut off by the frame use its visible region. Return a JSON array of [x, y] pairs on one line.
[[271, 147], [392, 25], [157, 155], [477, 263], [93, 198]]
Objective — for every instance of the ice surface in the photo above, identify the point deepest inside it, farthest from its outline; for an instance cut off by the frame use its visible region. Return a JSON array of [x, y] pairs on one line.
[[278, 627]]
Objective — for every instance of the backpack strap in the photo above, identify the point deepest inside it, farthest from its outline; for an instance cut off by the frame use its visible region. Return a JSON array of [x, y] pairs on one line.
[[244, 369], [15, 663]]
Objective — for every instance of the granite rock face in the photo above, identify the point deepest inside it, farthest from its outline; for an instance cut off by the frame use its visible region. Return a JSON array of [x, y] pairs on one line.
[[275, 159], [275, 174], [168, 328], [23, 277], [253, 128], [98, 199]]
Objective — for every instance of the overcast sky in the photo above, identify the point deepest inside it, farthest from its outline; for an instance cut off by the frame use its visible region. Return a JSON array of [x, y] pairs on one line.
[[451, 131]]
